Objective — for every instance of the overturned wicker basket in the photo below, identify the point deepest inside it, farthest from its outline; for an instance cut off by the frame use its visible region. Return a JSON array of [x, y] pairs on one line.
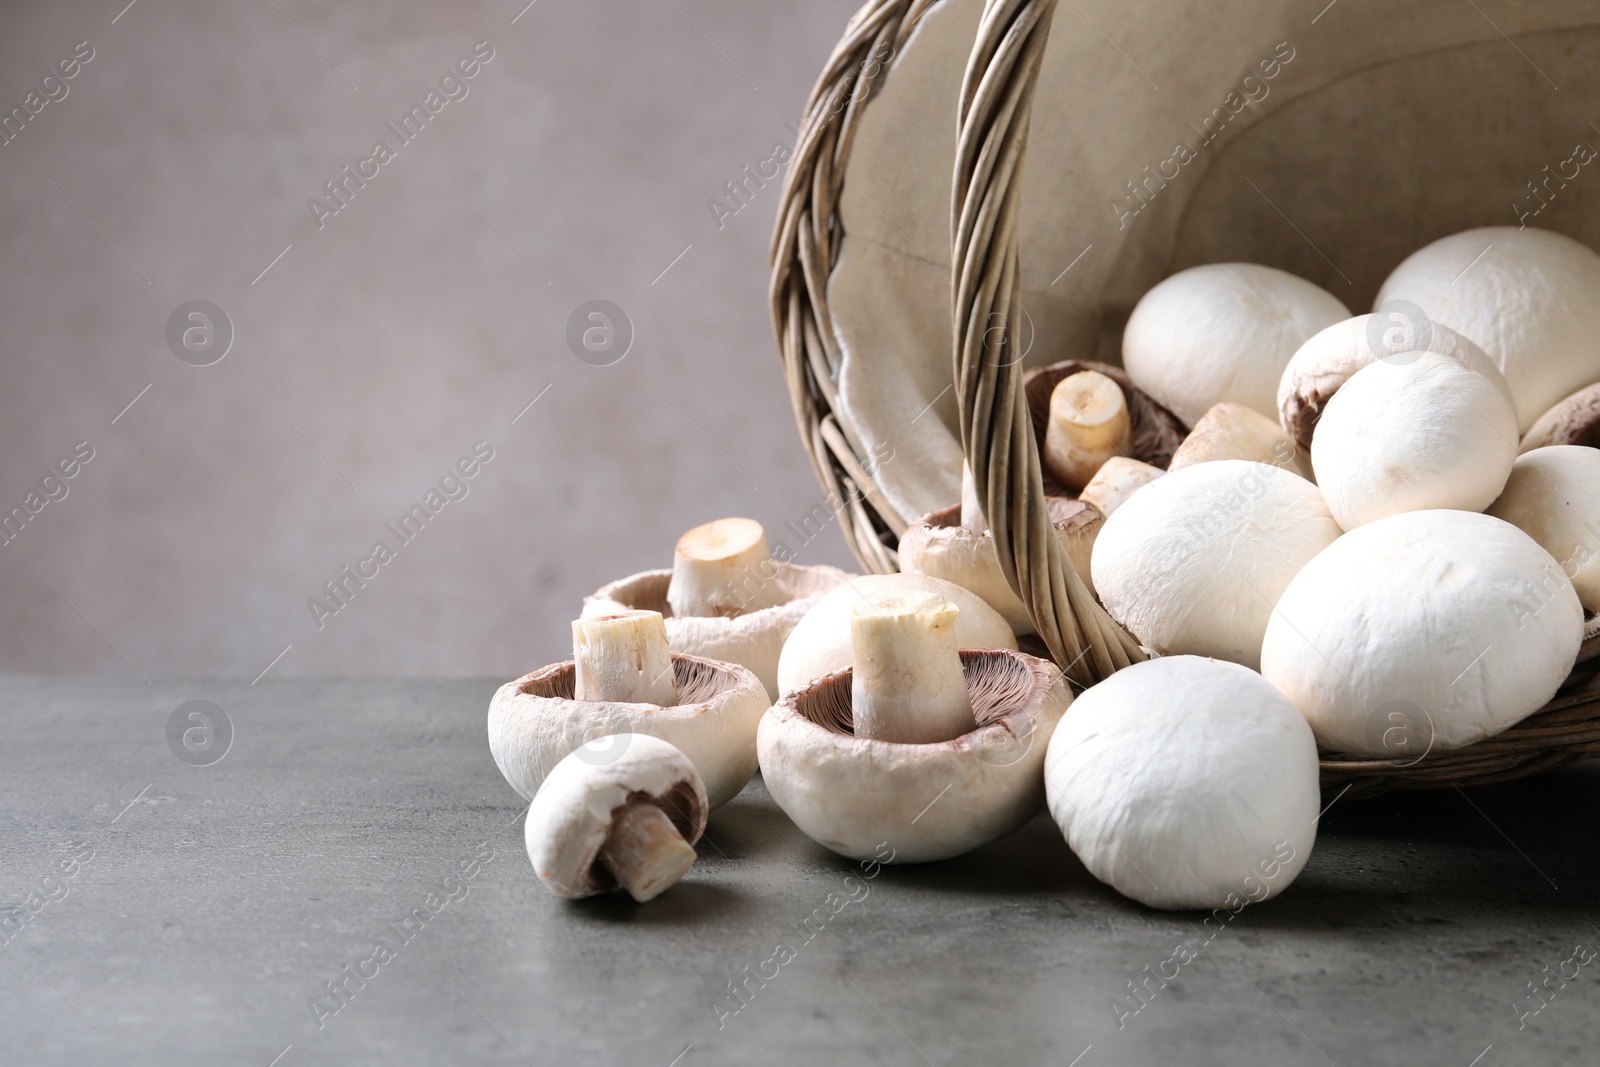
[[867, 319]]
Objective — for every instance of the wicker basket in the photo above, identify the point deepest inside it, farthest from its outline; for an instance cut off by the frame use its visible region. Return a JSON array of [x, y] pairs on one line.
[[1474, 126]]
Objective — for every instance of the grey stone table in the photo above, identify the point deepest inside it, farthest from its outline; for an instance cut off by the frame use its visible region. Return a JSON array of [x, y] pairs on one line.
[[172, 914]]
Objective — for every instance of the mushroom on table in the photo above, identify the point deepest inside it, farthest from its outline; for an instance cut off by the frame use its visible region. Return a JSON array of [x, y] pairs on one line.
[[624, 679], [621, 812]]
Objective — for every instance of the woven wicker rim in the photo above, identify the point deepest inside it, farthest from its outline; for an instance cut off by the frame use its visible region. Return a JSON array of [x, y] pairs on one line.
[[996, 428]]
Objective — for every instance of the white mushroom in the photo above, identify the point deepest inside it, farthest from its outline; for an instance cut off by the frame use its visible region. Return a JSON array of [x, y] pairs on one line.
[[908, 685], [1233, 431], [1553, 496], [821, 643], [855, 795], [1574, 421], [723, 569], [1413, 432], [1220, 332], [726, 566], [1194, 561], [535, 721], [1089, 424], [622, 812], [1186, 783], [1424, 631], [1114, 483], [1327, 360], [940, 547], [1530, 298]]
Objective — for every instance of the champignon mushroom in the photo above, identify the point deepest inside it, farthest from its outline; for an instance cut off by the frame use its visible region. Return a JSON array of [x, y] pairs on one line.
[[1233, 431], [1553, 496], [1448, 624], [1089, 423], [1530, 298], [1328, 359], [1223, 331], [624, 811], [821, 643], [744, 602], [1574, 421], [942, 545], [1185, 782], [908, 685], [1413, 432], [1153, 431], [707, 708], [929, 801], [1115, 482], [1194, 561]]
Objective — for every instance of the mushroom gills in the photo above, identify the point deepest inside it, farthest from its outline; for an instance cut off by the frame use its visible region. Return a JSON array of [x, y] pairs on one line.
[[723, 568], [907, 684], [644, 851], [623, 658]]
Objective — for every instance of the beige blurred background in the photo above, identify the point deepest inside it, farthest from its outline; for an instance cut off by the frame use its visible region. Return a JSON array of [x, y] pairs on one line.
[[370, 354]]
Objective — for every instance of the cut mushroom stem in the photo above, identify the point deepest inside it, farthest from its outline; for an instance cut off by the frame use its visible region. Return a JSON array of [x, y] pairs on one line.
[[907, 683], [1088, 425], [644, 851], [971, 503], [1115, 482], [724, 569], [623, 658]]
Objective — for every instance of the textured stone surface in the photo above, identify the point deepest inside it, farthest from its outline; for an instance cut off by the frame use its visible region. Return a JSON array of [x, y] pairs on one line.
[[219, 899]]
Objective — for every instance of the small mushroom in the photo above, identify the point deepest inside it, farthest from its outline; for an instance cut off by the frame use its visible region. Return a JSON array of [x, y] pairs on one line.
[[1424, 631], [1233, 431], [926, 801], [942, 545], [618, 682], [1328, 359], [1185, 782], [623, 812], [1115, 482], [737, 603], [1089, 424], [821, 643], [1194, 561], [1223, 331], [1553, 496], [1574, 421], [1529, 297], [1413, 432]]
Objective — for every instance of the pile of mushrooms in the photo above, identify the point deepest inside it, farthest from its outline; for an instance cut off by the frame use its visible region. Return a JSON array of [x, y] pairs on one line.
[[1373, 535]]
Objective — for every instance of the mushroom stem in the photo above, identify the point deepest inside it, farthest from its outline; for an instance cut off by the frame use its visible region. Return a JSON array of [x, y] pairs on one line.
[[971, 503], [1088, 425], [623, 658], [907, 683], [1116, 481], [723, 569], [645, 851]]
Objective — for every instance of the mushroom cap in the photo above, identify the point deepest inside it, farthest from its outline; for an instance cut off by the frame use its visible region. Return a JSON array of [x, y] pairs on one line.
[[1553, 496], [1329, 358], [939, 546], [1532, 302], [572, 814], [1448, 625], [929, 801], [1223, 331], [1574, 421], [1413, 432], [534, 722], [754, 640], [1194, 561], [820, 644], [1183, 782]]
